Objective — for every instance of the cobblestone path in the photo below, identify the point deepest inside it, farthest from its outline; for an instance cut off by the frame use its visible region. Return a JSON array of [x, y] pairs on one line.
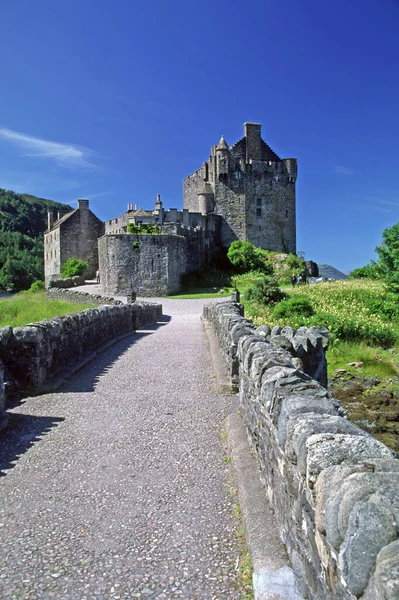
[[116, 486]]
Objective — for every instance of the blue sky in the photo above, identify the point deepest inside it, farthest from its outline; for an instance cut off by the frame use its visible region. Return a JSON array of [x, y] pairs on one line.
[[119, 101]]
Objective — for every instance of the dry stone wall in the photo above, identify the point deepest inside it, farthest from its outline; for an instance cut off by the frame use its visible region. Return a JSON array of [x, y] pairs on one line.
[[333, 487], [76, 297], [35, 354]]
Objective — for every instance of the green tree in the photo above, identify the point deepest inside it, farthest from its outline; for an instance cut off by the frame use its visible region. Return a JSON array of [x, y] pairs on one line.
[[371, 271], [245, 257], [388, 257], [73, 267], [23, 219]]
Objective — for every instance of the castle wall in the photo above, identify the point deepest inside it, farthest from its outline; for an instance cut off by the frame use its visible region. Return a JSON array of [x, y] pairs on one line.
[[152, 268], [270, 209], [333, 487], [191, 187]]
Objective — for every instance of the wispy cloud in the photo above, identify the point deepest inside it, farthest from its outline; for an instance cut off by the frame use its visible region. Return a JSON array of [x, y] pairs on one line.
[[389, 202], [92, 196], [384, 210], [343, 170], [65, 155]]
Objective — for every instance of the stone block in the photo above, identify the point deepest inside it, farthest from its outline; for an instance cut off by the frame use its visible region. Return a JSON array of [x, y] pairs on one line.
[[384, 584], [296, 404], [28, 334], [343, 496], [370, 528], [263, 330], [325, 450], [5, 335], [301, 427]]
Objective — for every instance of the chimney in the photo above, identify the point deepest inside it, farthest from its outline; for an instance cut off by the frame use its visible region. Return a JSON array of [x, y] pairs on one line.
[[83, 204], [50, 218], [254, 141]]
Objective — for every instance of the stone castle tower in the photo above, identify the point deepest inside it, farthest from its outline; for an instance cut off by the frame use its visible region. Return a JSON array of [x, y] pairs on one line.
[[243, 192], [251, 188]]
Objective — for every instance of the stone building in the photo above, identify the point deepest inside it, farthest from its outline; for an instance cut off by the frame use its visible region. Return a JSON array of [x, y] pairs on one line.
[[251, 188], [72, 235], [244, 191]]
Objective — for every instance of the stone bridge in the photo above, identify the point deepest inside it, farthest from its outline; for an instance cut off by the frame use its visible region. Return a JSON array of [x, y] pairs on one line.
[[117, 482]]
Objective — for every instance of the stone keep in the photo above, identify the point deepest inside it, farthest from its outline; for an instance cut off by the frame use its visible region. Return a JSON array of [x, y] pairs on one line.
[[251, 188], [243, 192]]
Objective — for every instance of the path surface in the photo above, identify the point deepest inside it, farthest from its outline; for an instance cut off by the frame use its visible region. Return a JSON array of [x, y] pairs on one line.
[[116, 486]]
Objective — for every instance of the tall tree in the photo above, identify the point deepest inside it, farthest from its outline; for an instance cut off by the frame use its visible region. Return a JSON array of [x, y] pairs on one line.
[[388, 254]]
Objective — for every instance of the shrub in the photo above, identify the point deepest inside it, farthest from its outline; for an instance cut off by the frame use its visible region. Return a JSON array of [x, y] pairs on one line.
[[265, 291], [294, 307], [246, 257], [143, 228], [73, 267], [36, 286], [295, 262], [370, 271]]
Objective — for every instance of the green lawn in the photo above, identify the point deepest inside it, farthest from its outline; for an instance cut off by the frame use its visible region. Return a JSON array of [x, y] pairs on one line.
[[30, 307]]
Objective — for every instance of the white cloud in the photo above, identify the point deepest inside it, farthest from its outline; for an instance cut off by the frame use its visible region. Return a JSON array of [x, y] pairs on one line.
[[65, 155], [389, 202], [343, 170]]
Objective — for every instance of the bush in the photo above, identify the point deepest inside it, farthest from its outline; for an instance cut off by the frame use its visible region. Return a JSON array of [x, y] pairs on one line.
[[295, 262], [36, 286], [143, 228], [265, 291], [370, 271], [73, 267], [246, 257], [294, 307]]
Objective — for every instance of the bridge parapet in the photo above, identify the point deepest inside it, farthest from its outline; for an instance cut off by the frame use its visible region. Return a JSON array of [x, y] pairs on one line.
[[333, 487]]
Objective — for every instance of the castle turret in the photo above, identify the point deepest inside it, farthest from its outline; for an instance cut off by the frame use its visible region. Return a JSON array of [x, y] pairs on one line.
[[222, 157], [158, 211], [291, 165], [205, 199], [254, 141]]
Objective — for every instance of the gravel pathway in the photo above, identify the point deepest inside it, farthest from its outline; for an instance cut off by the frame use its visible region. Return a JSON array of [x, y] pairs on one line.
[[116, 486]]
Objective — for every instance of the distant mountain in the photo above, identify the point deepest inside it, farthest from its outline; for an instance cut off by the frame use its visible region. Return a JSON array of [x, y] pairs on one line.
[[23, 220], [330, 272]]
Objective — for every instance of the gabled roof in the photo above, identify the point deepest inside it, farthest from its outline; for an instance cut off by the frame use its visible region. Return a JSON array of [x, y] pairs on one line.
[[141, 213], [239, 149], [64, 218]]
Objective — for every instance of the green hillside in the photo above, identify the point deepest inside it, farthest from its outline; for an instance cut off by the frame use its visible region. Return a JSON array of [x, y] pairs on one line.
[[23, 220]]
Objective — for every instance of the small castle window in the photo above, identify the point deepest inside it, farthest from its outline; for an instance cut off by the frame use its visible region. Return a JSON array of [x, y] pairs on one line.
[[259, 207], [286, 214]]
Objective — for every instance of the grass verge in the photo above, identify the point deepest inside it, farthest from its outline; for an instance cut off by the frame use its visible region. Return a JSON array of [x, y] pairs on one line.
[[30, 307]]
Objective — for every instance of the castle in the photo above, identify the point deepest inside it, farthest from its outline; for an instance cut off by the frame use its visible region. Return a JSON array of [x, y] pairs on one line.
[[242, 192]]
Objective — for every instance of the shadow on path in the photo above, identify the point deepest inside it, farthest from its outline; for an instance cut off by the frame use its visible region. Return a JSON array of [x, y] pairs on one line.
[[23, 430], [20, 434], [85, 379]]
